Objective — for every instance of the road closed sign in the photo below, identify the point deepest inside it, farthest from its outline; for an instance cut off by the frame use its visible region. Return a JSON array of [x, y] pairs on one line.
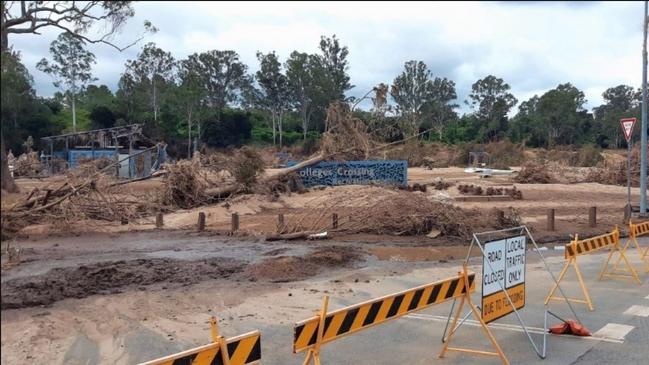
[[503, 266]]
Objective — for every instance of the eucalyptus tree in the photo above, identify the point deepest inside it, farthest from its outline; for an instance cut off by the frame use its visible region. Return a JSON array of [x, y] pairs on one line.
[[154, 68], [491, 99], [275, 89], [71, 67]]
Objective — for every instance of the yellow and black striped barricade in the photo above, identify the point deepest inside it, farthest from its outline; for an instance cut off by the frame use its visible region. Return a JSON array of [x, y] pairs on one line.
[[241, 350], [579, 247], [635, 230], [311, 334]]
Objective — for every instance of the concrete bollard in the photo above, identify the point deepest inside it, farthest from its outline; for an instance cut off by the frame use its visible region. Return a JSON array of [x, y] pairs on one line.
[[334, 220], [201, 221], [592, 217], [158, 220], [550, 226], [235, 222]]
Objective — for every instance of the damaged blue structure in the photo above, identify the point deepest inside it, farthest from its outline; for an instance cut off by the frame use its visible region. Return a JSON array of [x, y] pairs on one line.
[[372, 172]]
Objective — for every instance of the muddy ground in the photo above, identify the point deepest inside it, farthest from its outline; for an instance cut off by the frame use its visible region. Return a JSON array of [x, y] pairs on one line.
[[19, 289], [106, 298]]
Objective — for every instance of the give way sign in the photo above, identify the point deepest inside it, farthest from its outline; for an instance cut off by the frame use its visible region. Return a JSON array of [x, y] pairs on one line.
[[627, 127]]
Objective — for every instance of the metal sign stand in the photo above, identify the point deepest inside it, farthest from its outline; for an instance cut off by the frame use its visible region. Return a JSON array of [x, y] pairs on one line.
[[467, 298], [522, 230]]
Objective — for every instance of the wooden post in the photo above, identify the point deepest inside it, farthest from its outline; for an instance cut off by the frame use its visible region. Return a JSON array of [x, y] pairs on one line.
[[592, 217], [48, 192], [235, 222], [334, 219], [500, 217], [550, 226], [201, 221], [280, 223], [158, 220]]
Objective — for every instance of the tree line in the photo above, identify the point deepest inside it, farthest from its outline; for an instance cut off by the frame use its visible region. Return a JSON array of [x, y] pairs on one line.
[[212, 99]]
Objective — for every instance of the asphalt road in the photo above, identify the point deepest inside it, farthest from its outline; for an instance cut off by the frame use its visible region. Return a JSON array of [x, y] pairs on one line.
[[416, 338]]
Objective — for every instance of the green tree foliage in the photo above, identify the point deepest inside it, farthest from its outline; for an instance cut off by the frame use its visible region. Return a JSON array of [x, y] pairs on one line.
[[491, 100], [331, 80], [302, 86], [102, 117], [421, 98], [190, 96], [275, 90], [411, 90], [71, 67], [228, 128], [556, 117], [94, 96], [23, 114], [152, 71], [561, 112], [224, 77], [621, 101]]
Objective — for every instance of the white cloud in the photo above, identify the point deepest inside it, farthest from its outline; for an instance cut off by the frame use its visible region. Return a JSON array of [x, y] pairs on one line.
[[533, 46]]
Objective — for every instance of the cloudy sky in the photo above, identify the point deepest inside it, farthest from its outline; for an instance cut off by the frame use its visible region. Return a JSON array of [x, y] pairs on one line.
[[533, 46]]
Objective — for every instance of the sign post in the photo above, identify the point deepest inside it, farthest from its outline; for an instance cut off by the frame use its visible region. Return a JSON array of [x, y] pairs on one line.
[[627, 127], [507, 257], [503, 279]]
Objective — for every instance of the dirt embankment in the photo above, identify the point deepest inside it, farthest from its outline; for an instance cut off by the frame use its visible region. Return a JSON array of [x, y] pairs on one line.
[[290, 268], [118, 276]]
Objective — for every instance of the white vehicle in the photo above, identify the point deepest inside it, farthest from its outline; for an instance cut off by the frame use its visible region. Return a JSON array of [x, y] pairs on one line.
[[486, 172]]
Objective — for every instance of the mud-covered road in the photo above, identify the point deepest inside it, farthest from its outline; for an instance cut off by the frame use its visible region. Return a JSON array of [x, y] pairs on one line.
[[70, 268], [123, 299]]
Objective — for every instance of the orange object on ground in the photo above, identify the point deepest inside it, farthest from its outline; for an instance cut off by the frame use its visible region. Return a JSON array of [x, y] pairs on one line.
[[570, 327]]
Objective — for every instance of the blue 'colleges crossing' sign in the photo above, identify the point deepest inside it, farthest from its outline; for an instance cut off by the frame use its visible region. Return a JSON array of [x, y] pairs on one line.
[[331, 173]]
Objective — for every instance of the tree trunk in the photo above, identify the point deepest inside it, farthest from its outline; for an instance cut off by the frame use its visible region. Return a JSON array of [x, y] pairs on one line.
[[198, 126], [155, 105], [189, 133], [280, 129], [272, 117], [8, 183], [74, 114], [305, 123]]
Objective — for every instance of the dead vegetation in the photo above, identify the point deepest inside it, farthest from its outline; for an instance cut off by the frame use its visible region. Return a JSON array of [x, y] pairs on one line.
[[615, 173], [507, 219], [381, 211], [534, 173], [476, 190], [246, 166], [346, 137], [28, 164], [184, 185]]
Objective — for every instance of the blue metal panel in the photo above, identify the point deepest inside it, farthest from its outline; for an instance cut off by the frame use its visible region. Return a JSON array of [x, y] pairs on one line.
[[333, 173], [75, 155]]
